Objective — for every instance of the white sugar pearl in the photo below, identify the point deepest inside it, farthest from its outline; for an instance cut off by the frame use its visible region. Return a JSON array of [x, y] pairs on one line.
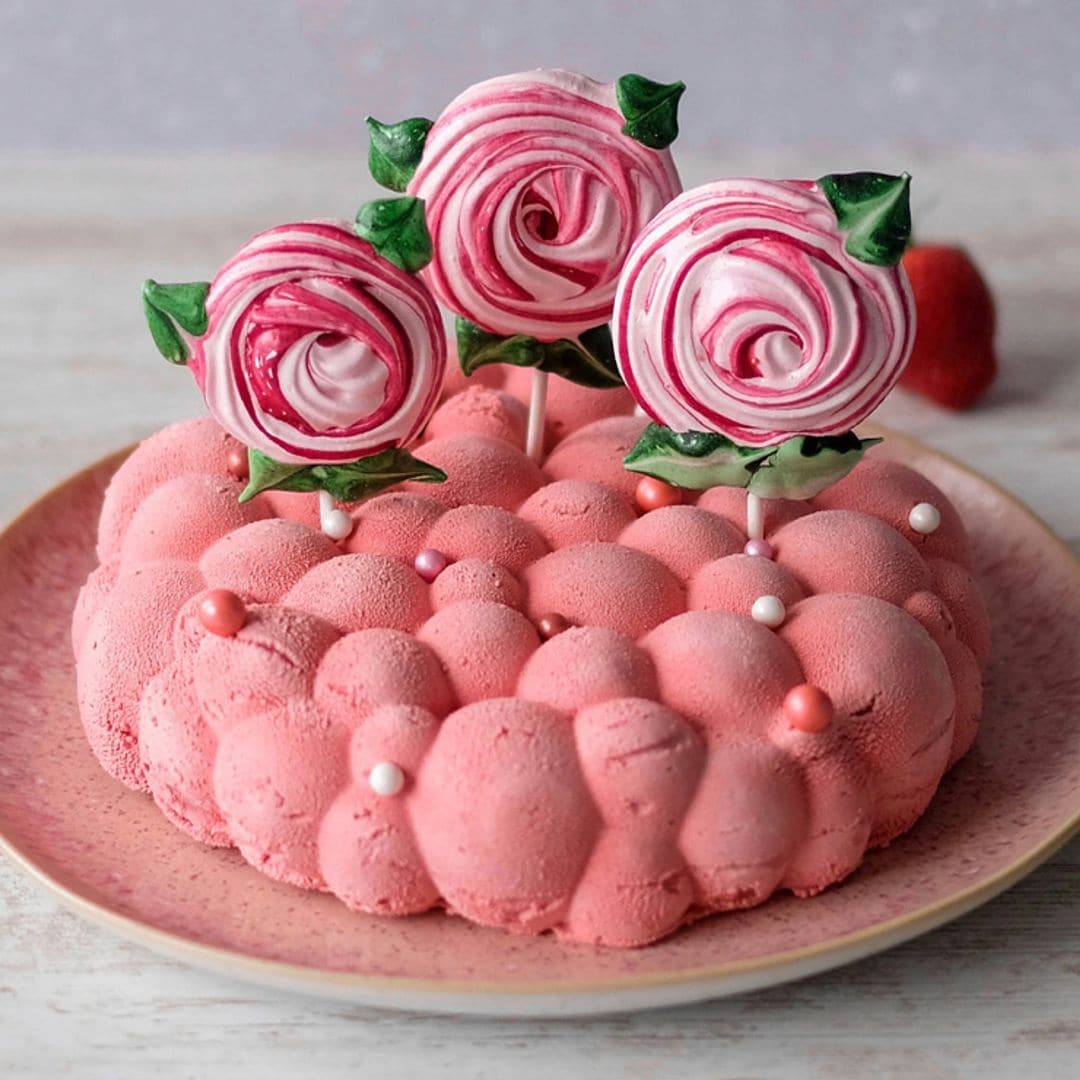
[[769, 611], [924, 518], [386, 778], [337, 524]]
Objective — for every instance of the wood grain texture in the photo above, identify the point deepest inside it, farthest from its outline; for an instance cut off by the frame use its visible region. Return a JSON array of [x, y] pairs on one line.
[[995, 994]]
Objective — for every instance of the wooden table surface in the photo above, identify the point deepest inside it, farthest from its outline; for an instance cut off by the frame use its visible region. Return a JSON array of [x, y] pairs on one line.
[[996, 994]]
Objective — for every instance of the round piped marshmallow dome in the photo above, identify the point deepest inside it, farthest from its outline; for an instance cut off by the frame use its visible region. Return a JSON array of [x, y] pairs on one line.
[[530, 696]]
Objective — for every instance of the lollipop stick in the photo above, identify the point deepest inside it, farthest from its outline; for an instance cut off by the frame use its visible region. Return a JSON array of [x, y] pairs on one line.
[[534, 435], [326, 506], [755, 517]]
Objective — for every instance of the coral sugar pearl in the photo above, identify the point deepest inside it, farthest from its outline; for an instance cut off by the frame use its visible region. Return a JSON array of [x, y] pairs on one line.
[[653, 494], [237, 463], [551, 625], [222, 612], [808, 708]]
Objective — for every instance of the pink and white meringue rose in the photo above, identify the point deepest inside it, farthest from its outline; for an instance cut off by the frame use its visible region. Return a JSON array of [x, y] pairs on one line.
[[317, 349], [740, 312], [533, 197]]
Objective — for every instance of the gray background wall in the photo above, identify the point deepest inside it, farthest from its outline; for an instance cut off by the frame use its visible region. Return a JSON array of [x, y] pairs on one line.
[[105, 75]]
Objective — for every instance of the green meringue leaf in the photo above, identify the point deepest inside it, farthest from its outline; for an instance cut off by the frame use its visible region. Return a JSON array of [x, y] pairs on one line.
[[797, 468], [696, 460], [348, 483], [806, 465], [395, 150], [266, 474], [397, 230], [168, 306], [588, 360], [874, 210], [650, 109]]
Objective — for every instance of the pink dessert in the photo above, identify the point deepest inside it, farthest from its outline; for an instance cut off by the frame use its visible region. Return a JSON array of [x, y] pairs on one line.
[[393, 727], [568, 670]]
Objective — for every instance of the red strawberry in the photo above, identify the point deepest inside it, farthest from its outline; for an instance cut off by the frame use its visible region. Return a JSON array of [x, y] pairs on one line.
[[953, 361]]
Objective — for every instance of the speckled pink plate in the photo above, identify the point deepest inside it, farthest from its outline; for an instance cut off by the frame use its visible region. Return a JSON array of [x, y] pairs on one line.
[[110, 855]]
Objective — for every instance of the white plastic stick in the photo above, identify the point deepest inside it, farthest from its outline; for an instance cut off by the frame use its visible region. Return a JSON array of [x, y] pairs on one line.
[[534, 434], [755, 517], [326, 506]]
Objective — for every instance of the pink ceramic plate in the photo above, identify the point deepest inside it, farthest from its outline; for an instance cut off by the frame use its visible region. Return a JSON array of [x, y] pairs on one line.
[[109, 853]]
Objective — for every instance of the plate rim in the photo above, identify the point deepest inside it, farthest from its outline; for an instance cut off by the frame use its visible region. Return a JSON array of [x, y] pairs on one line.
[[696, 983], [833, 952]]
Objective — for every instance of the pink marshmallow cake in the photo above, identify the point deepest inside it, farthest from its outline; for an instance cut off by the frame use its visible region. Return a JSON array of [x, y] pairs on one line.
[[631, 774], [641, 637]]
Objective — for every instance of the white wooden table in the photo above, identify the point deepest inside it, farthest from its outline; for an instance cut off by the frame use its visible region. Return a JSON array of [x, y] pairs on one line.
[[996, 994]]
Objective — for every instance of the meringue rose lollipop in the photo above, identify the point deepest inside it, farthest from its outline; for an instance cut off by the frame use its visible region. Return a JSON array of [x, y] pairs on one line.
[[534, 196], [320, 355], [535, 186], [751, 313]]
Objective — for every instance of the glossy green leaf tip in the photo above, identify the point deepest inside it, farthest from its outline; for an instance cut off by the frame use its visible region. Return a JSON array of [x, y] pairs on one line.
[[394, 150], [650, 109], [168, 307], [874, 210]]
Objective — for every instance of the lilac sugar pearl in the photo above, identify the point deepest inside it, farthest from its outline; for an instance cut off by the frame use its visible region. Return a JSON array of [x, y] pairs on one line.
[[761, 548], [430, 563]]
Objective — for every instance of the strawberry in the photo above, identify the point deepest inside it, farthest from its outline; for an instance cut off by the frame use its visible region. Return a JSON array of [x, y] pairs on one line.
[[953, 360]]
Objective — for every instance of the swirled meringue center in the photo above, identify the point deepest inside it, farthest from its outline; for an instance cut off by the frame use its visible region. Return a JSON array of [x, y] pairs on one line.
[[312, 359], [317, 349], [332, 382], [556, 239]]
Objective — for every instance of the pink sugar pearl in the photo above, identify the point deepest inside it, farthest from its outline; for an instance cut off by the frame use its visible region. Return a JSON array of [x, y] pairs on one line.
[[222, 612], [430, 563], [808, 708], [653, 494], [761, 548]]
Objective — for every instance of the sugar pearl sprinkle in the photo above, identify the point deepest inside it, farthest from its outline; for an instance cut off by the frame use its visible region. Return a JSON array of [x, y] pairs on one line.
[[761, 548], [653, 494], [430, 563], [337, 524], [222, 612], [386, 778], [237, 463], [924, 518], [769, 611], [552, 624], [808, 708]]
